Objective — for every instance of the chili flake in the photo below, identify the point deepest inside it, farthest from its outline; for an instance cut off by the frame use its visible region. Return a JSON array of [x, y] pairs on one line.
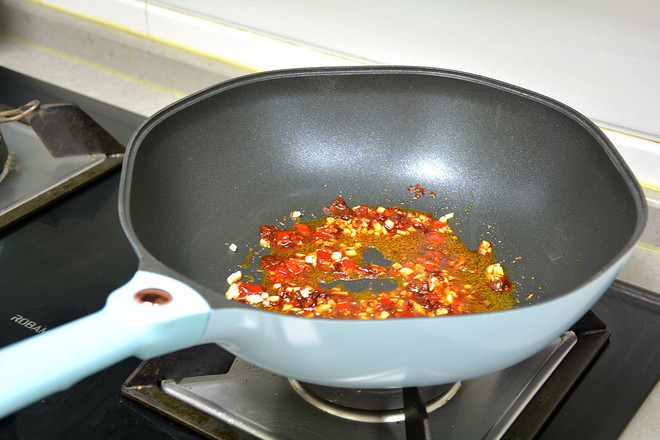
[[435, 274]]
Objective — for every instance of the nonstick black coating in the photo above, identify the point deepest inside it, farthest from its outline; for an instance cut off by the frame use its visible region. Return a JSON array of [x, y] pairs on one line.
[[529, 174]]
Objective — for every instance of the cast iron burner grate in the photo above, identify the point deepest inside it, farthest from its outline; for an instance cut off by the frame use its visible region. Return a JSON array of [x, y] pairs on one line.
[[208, 390]]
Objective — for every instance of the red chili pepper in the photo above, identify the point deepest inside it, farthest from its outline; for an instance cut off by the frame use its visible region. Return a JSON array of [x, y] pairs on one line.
[[429, 266], [438, 225], [281, 274], [349, 264], [323, 233], [364, 211], [436, 238], [323, 255], [385, 302], [248, 288], [285, 238], [435, 254], [303, 230], [295, 267], [281, 234], [270, 262], [344, 306]]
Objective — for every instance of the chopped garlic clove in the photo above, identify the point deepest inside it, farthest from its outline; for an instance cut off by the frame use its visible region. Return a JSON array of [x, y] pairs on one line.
[[231, 279], [232, 292]]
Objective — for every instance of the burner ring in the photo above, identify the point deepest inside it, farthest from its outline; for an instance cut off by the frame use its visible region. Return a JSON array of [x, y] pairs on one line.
[[371, 415]]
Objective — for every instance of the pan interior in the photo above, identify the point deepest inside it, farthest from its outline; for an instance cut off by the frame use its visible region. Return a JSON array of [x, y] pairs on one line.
[[525, 174]]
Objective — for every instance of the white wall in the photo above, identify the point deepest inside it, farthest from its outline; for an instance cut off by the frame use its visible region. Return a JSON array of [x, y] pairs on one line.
[[601, 57]]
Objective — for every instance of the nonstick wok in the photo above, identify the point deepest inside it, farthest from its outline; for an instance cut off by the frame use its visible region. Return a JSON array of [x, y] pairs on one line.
[[523, 171]]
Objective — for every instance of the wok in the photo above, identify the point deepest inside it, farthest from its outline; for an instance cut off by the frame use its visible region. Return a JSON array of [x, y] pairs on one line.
[[523, 171]]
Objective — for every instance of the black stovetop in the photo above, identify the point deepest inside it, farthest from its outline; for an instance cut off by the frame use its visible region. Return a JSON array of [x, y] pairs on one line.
[[62, 262]]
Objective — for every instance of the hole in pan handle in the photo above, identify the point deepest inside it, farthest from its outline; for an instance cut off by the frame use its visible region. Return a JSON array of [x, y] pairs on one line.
[[149, 316]]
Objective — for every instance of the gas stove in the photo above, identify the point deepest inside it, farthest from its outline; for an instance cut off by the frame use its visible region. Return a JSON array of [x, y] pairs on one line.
[[211, 392], [60, 261]]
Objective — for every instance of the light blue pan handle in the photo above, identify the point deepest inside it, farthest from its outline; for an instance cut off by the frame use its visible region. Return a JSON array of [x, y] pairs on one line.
[[56, 359]]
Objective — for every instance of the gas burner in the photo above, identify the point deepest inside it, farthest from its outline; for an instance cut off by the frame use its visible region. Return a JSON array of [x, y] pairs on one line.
[[371, 405], [208, 390]]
